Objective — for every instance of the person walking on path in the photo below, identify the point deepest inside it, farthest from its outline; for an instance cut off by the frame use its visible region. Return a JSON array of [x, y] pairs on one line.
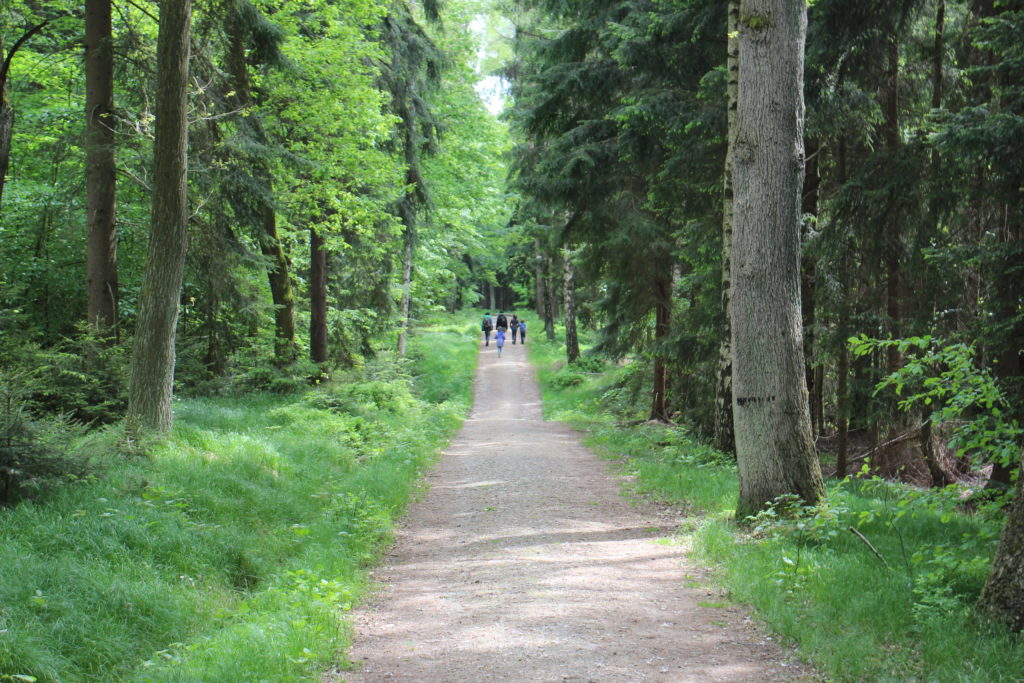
[[522, 331], [499, 339], [513, 325], [501, 323], [487, 325]]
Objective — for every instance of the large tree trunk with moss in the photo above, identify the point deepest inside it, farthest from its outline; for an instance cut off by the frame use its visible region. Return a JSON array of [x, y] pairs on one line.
[[724, 439], [774, 448], [152, 374], [101, 255], [572, 343], [1003, 595], [317, 297]]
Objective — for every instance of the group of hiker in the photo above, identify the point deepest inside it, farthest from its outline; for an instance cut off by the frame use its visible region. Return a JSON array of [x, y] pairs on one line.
[[501, 327]]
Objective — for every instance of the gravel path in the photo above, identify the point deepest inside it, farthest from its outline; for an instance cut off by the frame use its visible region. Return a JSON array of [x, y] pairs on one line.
[[524, 563]]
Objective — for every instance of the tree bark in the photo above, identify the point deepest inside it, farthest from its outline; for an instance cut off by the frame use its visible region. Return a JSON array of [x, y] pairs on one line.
[[843, 369], [152, 374], [317, 297], [538, 270], [1003, 595], [572, 343], [406, 291], [662, 320], [100, 179], [809, 276], [893, 237], [280, 289], [549, 301], [774, 449], [723, 437]]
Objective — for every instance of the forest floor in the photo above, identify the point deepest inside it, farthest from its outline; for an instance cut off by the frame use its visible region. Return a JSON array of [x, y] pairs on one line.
[[524, 562]]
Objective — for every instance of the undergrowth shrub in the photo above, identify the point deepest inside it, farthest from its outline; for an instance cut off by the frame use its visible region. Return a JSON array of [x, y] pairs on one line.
[[36, 455]]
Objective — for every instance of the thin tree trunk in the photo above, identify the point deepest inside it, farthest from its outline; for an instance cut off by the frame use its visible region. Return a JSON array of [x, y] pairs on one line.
[[152, 374], [893, 238], [280, 289], [662, 320], [538, 262], [406, 291], [774, 447], [317, 297], [724, 438], [809, 275], [843, 370], [938, 54], [101, 257], [549, 303], [572, 344]]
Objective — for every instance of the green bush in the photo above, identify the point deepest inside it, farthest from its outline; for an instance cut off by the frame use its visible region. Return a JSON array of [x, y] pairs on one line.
[[35, 455]]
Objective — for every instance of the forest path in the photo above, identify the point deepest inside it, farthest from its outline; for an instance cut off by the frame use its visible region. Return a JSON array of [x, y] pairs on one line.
[[523, 562]]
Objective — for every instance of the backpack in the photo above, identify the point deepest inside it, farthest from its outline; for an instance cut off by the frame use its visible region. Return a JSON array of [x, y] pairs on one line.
[[486, 325], [502, 321]]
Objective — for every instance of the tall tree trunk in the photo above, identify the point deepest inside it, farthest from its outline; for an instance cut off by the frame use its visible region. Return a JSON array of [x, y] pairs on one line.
[[549, 300], [724, 439], [809, 275], [101, 256], [843, 369], [938, 54], [662, 320], [1003, 595], [152, 375], [538, 272], [893, 237], [317, 297], [774, 447], [572, 343], [280, 289], [407, 254]]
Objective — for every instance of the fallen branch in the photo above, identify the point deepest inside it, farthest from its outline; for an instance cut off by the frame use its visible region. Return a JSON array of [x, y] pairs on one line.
[[870, 547]]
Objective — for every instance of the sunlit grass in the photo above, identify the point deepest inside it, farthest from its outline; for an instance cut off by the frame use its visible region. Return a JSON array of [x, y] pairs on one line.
[[233, 550]]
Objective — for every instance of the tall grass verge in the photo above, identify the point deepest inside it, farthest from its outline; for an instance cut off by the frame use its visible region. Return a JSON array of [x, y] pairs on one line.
[[904, 617], [234, 548]]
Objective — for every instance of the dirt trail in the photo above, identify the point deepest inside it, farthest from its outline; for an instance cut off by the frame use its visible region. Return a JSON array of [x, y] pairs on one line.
[[524, 563]]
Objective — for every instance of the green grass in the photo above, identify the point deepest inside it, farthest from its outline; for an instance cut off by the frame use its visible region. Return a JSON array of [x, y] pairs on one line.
[[807, 575], [233, 550]]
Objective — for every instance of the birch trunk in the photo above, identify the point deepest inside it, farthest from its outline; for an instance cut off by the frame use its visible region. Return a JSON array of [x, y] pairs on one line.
[[774, 448]]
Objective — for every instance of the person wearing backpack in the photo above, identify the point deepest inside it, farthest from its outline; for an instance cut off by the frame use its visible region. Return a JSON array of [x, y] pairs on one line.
[[513, 326], [501, 323], [487, 325]]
